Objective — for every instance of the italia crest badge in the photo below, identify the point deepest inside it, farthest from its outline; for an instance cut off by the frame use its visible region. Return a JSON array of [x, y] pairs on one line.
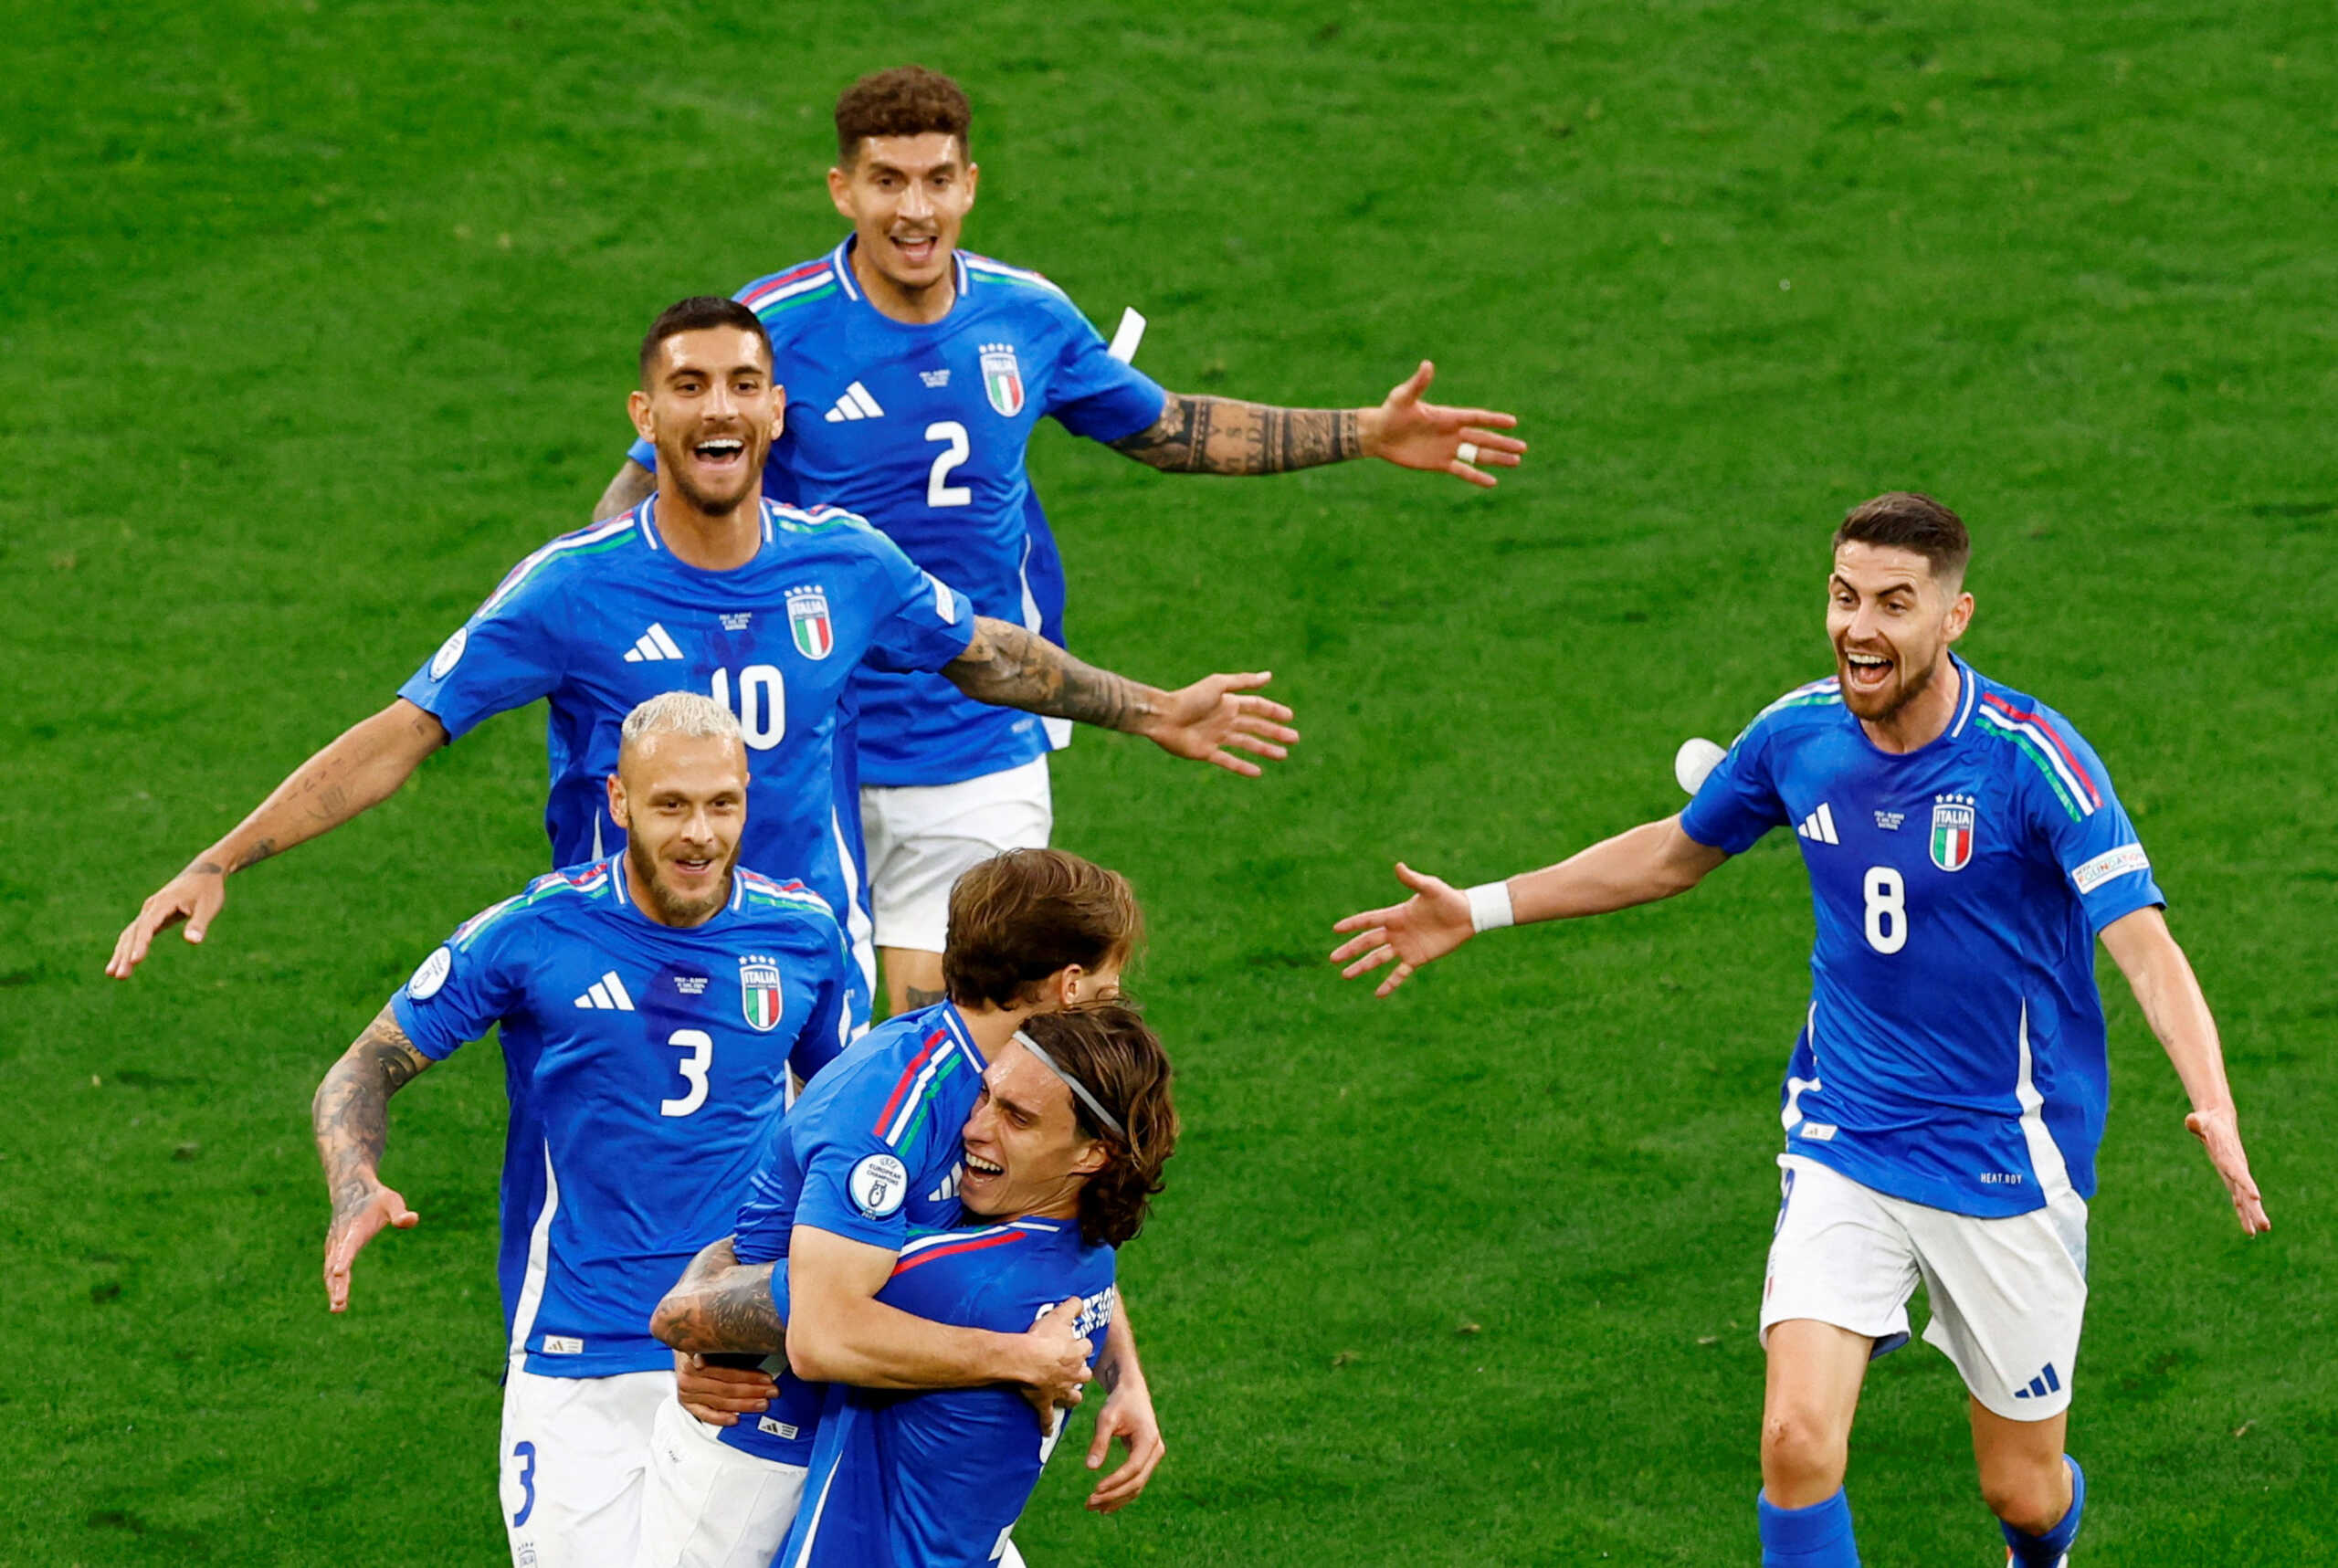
[[1003, 379], [759, 991], [1954, 820], [808, 618]]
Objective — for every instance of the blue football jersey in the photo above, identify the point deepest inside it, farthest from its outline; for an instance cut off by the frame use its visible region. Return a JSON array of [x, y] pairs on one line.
[[870, 1149], [938, 1479], [922, 428], [646, 1065], [1953, 1053], [601, 619]]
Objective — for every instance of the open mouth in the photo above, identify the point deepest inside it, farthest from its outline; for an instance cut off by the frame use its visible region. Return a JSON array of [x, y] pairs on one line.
[[1868, 671], [978, 1166], [916, 249], [719, 451], [690, 867]]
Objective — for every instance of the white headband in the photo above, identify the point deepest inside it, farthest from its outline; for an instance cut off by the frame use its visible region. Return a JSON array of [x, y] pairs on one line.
[[1095, 1106]]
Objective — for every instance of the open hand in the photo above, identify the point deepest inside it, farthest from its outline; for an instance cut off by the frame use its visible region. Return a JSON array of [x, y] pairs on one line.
[[1213, 718], [1128, 1417], [1428, 925], [365, 1210], [193, 896], [2219, 1133], [1416, 435]]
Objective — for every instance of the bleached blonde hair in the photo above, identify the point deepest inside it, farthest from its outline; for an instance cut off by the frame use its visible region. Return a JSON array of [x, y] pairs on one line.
[[689, 713]]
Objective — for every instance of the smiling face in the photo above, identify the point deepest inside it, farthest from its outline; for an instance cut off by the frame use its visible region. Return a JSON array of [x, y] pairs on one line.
[[710, 407], [907, 197], [682, 801], [1024, 1150], [1891, 621]]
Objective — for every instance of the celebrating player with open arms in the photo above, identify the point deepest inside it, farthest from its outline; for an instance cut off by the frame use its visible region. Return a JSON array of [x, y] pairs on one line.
[[869, 1153], [704, 585], [1946, 1097], [915, 374]]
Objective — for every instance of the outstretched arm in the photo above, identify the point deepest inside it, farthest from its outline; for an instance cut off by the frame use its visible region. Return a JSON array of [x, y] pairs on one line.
[[632, 486], [1652, 861], [351, 1116], [362, 768], [720, 1304], [1197, 434], [2169, 993], [1012, 668]]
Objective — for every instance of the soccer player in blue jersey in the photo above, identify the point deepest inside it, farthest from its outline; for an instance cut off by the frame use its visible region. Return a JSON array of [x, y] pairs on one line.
[[915, 374], [869, 1153], [767, 607], [1945, 1100], [1064, 1153], [650, 1004]]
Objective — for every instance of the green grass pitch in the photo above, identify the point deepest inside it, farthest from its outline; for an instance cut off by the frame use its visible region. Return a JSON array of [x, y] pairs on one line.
[[314, 316]]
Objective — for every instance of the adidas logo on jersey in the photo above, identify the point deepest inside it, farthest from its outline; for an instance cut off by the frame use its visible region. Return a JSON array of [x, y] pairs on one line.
[[652, 646], [607, 991], [856, 403], [948, 1187], [1819, 826]]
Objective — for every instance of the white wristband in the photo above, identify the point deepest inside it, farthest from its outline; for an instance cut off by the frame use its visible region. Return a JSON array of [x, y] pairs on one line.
[[1490, 907]]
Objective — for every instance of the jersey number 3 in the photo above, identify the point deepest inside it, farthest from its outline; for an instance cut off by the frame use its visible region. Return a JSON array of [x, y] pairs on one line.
[[1886, 910], [700, 1045]]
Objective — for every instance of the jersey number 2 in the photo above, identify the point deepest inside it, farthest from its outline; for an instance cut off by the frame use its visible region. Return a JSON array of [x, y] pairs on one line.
[[700, 1045], [1886, 910], [939, 490]]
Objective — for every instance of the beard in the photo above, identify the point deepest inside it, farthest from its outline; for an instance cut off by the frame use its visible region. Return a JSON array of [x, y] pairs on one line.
[[715, 506], [1882, 706], [675, 908]]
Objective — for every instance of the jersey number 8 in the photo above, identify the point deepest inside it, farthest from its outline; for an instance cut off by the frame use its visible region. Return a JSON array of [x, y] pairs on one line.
[[1886, 910]]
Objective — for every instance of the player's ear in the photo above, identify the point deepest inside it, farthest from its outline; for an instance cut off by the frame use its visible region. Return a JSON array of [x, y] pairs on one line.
[[778, 410], [974, 179], [1960, 616], [637, 407], [841, 192], [616, 803], [1067, 985], [1093, 1158]]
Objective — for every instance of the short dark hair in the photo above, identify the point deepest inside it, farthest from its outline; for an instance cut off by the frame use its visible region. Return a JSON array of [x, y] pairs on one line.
[[1019, 917], [691, 315], [908, 100], [1108, 1047], [1904, 519]]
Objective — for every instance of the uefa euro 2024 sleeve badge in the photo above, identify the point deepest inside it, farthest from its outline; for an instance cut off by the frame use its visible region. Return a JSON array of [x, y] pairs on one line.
[[807, 619], [1003, 379], [759, 991], [1955, 817]]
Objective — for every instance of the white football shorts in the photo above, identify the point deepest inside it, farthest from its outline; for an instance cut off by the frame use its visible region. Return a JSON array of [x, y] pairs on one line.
[[575, 1453], [922, 838], [2007, 1295], [708, 1505]]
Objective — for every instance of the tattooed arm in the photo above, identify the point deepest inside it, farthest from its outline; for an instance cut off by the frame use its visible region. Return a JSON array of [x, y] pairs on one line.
[[351, 1116], [1198, 435], [1223, 436], [1011, 668], [720, 1304], [632, 486], [361, 768]]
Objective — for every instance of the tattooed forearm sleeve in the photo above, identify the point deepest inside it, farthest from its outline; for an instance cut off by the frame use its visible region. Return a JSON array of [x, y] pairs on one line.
[[352, 1109], [719, 1304], [1222, 435], [1012, 668]]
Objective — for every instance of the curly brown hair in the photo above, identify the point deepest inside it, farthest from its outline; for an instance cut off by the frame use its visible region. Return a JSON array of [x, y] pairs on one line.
[[908, 100], [1019, 917], [1108, 1047]]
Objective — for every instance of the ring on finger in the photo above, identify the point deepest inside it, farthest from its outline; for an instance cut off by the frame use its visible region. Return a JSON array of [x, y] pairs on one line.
[[1468, 452]]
